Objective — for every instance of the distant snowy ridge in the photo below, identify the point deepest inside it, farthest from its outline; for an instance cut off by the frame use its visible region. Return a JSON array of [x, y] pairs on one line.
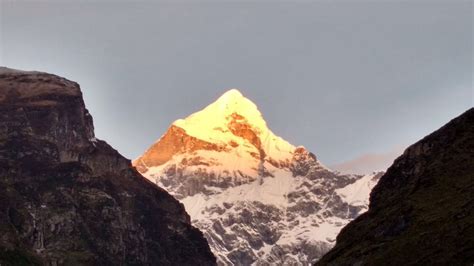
[[258, 199]]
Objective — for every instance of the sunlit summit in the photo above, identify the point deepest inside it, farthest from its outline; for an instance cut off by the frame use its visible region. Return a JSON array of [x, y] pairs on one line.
[[231, 171]]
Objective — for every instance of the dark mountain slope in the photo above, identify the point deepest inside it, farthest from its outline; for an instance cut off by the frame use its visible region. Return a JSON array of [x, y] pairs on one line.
[[67, 198], [422, 210]]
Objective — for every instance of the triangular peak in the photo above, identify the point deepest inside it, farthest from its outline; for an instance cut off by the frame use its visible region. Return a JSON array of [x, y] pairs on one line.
[[219, 113], [211, 124], [231, 94]]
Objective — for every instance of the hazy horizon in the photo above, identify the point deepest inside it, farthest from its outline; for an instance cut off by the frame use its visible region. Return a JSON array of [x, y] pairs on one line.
[[343, 79]]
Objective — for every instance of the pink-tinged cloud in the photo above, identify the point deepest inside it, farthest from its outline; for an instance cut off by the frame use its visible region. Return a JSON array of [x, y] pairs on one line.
[[368, 163]]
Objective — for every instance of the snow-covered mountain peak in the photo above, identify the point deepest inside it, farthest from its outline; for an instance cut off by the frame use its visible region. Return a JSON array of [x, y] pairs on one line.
[[231, 95], [216, 117], [235, 119], [228, 140], [231, 102], [258, 199]]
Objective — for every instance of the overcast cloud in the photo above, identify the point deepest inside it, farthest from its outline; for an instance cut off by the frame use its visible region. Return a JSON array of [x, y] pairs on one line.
[[341, 78]]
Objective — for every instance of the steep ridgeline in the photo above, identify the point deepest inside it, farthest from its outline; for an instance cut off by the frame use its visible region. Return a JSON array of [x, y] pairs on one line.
[[422, 210], [258, 199], [67, 198]]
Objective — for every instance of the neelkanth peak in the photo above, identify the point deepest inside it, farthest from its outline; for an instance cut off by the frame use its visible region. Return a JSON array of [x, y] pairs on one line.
[[217, 115], [234, 175], [226, 119], [231, 128]]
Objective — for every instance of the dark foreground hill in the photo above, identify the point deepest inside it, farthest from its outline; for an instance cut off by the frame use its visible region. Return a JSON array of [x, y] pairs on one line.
[[422, 210], [67, 198]]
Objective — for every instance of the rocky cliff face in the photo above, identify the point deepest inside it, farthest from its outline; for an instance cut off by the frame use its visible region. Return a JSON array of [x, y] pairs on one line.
[[258, 199], [67, 198], [422, 210]]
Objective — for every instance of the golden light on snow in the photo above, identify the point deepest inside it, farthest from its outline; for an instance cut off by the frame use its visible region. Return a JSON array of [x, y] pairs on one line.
[[214, 124], [211, 124]]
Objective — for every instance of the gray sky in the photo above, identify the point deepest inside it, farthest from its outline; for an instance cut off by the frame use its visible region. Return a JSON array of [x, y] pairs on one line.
[[343, 79]]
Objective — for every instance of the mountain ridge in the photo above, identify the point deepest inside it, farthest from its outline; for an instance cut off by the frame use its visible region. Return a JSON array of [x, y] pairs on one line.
[[67, 198], [423, 203]]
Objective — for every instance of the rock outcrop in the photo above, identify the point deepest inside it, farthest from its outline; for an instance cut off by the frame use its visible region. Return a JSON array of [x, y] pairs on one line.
[[67, 198], [422, 210]]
